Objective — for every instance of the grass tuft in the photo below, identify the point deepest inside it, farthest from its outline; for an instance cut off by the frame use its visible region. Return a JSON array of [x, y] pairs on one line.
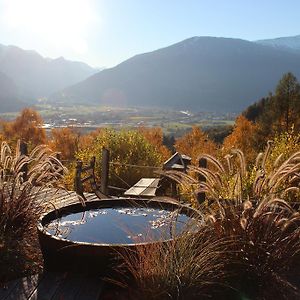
[[22, 180], [188, 267]]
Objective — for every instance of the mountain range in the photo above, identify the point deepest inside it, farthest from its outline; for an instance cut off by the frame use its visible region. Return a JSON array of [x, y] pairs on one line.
[[290, 43], [34, 76], [200, 73]]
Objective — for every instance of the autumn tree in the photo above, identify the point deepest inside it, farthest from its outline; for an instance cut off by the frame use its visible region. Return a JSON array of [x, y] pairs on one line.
[[26, 127], [243, 137], [218, 133], [286, 102], [65, 141], [279, 112], [254, 112], [155, 137], [194, 143]]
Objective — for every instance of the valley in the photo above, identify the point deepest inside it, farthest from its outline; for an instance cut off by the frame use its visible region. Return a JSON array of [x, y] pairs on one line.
[[87, 118]]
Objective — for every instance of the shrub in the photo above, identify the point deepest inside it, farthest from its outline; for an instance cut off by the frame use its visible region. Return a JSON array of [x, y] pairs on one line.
[[283, 146], [126, 148]]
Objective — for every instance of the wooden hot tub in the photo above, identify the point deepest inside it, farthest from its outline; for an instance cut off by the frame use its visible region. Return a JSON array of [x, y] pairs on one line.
[[90, 239]]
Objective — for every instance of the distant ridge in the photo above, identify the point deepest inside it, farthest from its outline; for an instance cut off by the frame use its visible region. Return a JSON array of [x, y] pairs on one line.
[[36, 76], [199, 73], [9, 95], [291, 43]]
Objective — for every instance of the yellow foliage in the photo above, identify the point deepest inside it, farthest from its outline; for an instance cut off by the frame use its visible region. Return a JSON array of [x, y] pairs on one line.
[[128, 149], [283, 146]]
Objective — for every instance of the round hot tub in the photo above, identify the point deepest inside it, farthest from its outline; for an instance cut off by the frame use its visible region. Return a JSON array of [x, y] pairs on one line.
[[91, 238]]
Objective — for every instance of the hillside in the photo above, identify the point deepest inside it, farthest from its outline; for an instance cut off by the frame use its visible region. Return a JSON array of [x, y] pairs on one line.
[[9, 96], [200, 73], [290, 43], [36, 76]]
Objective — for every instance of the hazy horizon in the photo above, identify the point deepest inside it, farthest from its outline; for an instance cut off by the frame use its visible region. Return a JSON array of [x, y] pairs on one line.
[[105, 33]]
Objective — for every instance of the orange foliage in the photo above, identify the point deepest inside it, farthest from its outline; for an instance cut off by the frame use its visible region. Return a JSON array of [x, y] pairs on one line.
[[194, 143], [155, 137], [26, 127], [86, 140], [243, 137], [65, 141]]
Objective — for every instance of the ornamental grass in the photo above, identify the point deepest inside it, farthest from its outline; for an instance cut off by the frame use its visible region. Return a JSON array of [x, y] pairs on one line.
[[23, 181]]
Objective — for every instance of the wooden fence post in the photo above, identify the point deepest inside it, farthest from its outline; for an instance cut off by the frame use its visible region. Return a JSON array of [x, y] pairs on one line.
[[104, 171], [78, 187], [24, 151], [202, 164]]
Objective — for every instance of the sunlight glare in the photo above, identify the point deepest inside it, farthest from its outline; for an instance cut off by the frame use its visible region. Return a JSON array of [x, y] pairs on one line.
[[61, 23]]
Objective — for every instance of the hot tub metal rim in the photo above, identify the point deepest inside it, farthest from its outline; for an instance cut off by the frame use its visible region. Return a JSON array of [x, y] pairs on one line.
[[42, 229]]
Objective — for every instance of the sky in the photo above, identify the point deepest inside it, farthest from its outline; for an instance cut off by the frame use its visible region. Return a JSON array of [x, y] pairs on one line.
[[103, 33]]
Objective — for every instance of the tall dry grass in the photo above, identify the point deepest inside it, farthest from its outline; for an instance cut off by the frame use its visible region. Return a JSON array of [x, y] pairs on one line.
[[245, 210], [21, 203], [188, 267], [264, 254]]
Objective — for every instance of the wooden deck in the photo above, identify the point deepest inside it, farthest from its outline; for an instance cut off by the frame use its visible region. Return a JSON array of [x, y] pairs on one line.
[[58, 197], [54, 286]]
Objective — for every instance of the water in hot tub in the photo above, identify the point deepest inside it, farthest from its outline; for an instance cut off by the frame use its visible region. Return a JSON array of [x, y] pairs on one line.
[[119, 225]]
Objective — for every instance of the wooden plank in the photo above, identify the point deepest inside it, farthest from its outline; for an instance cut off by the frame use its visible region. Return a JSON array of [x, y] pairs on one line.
[[69, 287], [52, 196], [57, 196], [24, 288], [62, 201], [91, 289], [91, 197], [60, 198], [144, 187], [94, 198], [47, 286], [50, 192], [67, 202]]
